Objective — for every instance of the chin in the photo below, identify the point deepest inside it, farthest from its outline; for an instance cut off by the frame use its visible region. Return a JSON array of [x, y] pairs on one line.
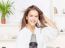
[[33, 24]]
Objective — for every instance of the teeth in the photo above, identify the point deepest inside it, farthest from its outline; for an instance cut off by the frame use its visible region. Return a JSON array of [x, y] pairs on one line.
[[33, 21]]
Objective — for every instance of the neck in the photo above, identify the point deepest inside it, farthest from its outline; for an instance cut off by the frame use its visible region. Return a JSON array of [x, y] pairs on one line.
[[31, 28]]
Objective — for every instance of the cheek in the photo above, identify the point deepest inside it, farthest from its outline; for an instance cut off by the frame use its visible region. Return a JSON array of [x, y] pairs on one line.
[[36, 19], [29, 19]]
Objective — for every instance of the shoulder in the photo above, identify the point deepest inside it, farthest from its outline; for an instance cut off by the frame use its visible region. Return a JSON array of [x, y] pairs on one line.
[[49, 29], [22, 31]]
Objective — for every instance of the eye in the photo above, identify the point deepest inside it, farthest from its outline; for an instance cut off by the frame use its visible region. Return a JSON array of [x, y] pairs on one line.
[[31, 15], [36, 16]]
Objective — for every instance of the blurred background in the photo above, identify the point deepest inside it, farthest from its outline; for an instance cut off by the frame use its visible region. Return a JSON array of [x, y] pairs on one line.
[[53, 9]]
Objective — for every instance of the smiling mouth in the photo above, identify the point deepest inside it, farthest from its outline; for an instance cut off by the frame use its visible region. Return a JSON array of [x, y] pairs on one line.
[[33, 21]]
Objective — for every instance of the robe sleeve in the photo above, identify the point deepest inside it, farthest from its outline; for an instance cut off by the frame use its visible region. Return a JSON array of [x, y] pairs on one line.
[[49, 34]]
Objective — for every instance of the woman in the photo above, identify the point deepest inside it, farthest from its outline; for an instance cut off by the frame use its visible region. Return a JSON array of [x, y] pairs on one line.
[[30, 35]]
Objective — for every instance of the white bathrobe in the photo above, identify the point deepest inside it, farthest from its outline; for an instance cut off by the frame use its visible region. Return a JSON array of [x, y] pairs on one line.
[[24, 37]]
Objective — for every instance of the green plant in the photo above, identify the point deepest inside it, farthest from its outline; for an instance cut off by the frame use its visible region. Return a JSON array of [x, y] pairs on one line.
[[5, 8]]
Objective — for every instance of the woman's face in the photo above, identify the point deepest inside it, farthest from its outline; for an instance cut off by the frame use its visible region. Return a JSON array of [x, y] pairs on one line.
[[32, 17]]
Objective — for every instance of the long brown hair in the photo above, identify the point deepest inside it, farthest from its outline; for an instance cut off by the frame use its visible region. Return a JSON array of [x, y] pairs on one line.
[[40, 13]]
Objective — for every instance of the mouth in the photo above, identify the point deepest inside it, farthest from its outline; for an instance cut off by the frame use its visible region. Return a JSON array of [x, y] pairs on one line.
[[33, 21]]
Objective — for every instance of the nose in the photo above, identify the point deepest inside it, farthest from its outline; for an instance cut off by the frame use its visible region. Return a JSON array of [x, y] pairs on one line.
[[33, 18]]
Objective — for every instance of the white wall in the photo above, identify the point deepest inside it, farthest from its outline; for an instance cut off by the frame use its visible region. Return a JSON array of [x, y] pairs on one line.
[[59, 18]]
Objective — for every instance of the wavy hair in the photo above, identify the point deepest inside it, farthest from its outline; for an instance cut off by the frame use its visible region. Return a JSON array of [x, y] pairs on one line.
[[40, 13]]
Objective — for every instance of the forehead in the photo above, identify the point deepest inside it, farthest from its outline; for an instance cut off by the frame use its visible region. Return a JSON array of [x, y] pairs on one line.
[[33, 12]]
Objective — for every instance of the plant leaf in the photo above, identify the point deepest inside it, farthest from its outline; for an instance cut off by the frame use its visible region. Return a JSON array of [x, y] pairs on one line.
[[5, 8]]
